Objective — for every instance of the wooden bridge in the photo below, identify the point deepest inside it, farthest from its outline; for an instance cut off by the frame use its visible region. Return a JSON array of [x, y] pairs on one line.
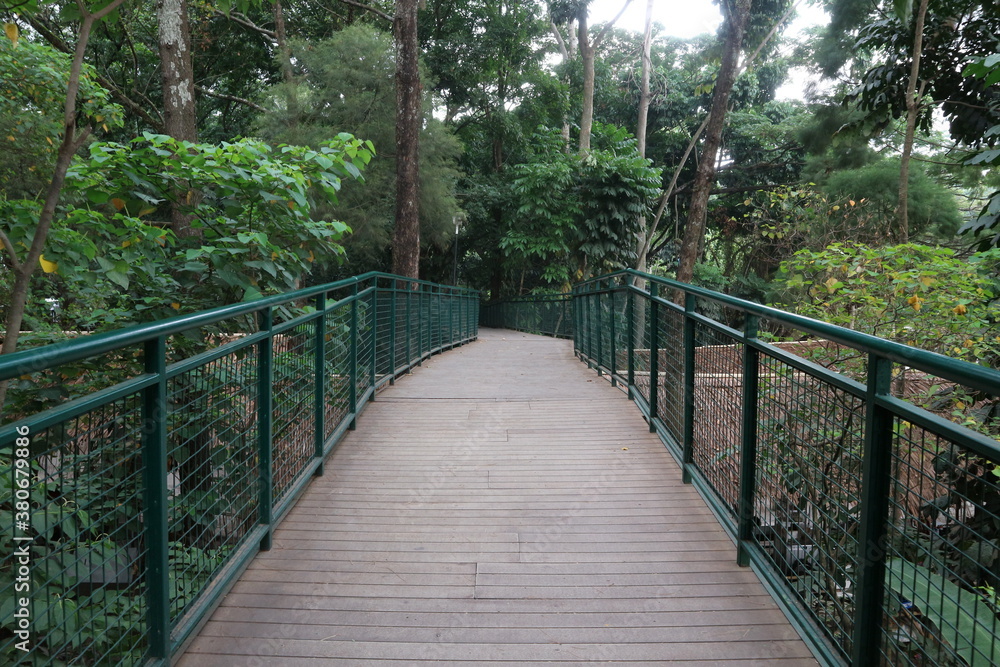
[[500, 505]]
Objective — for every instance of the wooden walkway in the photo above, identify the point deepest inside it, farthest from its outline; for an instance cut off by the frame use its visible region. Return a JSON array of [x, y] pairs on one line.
[[501, 505]]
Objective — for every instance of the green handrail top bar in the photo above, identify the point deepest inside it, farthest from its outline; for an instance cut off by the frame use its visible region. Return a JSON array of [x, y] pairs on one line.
[[19, 363], [972, 375]]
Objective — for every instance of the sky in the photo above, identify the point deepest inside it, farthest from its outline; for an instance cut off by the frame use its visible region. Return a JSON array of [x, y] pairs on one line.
[[687, 18]]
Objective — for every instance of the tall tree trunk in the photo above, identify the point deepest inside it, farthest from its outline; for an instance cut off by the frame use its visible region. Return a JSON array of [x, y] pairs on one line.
[[406, 237], [694, 231], [177, 72], [281, 37], [913, 96], [587, 56], [640, 131]]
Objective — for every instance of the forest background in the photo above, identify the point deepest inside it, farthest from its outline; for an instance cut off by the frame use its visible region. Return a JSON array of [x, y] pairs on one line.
[[166, 157]]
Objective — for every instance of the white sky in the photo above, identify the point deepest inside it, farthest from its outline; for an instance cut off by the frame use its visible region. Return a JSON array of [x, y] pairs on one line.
[[685, 18], [688, 18]]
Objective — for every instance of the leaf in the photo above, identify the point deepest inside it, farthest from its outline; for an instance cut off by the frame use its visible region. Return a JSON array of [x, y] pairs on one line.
[[964, 619], [903, 9], [10, 29], [47, 266]]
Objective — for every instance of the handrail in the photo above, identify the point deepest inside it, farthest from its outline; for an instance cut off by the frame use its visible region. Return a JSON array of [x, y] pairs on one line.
[[131, 509], [864, 506], [956, 370], [545, 314]]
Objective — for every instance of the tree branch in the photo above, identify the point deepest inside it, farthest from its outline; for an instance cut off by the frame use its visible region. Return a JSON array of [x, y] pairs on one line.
[[56, 42], [610, 24], [373, 10], [14, 263], [247, 23], [559, 40], [231, 98]]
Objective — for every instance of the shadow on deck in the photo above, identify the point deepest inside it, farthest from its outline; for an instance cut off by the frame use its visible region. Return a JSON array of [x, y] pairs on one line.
[[500, 505]]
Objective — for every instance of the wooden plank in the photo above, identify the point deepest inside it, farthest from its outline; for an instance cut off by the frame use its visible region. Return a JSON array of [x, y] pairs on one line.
[[499, 505]]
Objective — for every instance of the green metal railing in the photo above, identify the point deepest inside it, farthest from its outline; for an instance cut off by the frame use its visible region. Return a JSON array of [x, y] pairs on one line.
[[129, 510], [859, 477], [545, 314]]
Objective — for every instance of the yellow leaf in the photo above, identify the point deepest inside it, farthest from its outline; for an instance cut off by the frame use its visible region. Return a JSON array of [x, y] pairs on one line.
[[836, 208], [915, 302], [274, 255], [969, 343], [47, 266], [312, 257], [960, 309], [145, 211], [291, 204], [10, 137], [126, 244], [49, 139], [119, 204], [175, 305], [10, 29], [851, 202], [927, 281]]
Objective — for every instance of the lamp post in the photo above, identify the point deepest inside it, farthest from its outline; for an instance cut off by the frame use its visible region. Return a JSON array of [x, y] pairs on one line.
[[454, 267]]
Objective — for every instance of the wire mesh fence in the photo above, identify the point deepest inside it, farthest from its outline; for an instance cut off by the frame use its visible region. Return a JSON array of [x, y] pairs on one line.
[[860, 477], [544, 314], [129, 508]]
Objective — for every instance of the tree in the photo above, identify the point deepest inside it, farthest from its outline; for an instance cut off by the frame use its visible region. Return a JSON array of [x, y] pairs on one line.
[[406, 237], [73, 138], [346, 83], [736, 16], [564, 11]]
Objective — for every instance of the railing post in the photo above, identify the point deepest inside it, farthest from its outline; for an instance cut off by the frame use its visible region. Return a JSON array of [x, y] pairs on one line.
[[154, 456], [265, 380], [876, 485], [409, 327], [600, 330], [373, 318], [614, 333], [630, 332], [353, 393], [392, 336], [654, 355], [748, 448], [420, 325], [687, 438], [319, 377]]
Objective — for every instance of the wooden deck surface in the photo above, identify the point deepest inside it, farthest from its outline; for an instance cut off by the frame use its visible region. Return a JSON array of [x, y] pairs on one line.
[[500, 505]]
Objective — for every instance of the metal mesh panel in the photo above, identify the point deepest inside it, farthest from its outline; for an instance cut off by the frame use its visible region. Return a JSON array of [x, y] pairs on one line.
[[670, 393], [718, 400], [383, 333], [73, 544], [942, 553], [810, 438], [212, 484], [293, 406], [338, 367], [640, 354]]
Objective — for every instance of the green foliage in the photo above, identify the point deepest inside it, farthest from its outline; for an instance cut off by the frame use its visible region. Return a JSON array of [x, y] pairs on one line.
[[931, 206], [987, 224], [927, 297], [33, 80], [252, 204], [579, 215], [346, 83]]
